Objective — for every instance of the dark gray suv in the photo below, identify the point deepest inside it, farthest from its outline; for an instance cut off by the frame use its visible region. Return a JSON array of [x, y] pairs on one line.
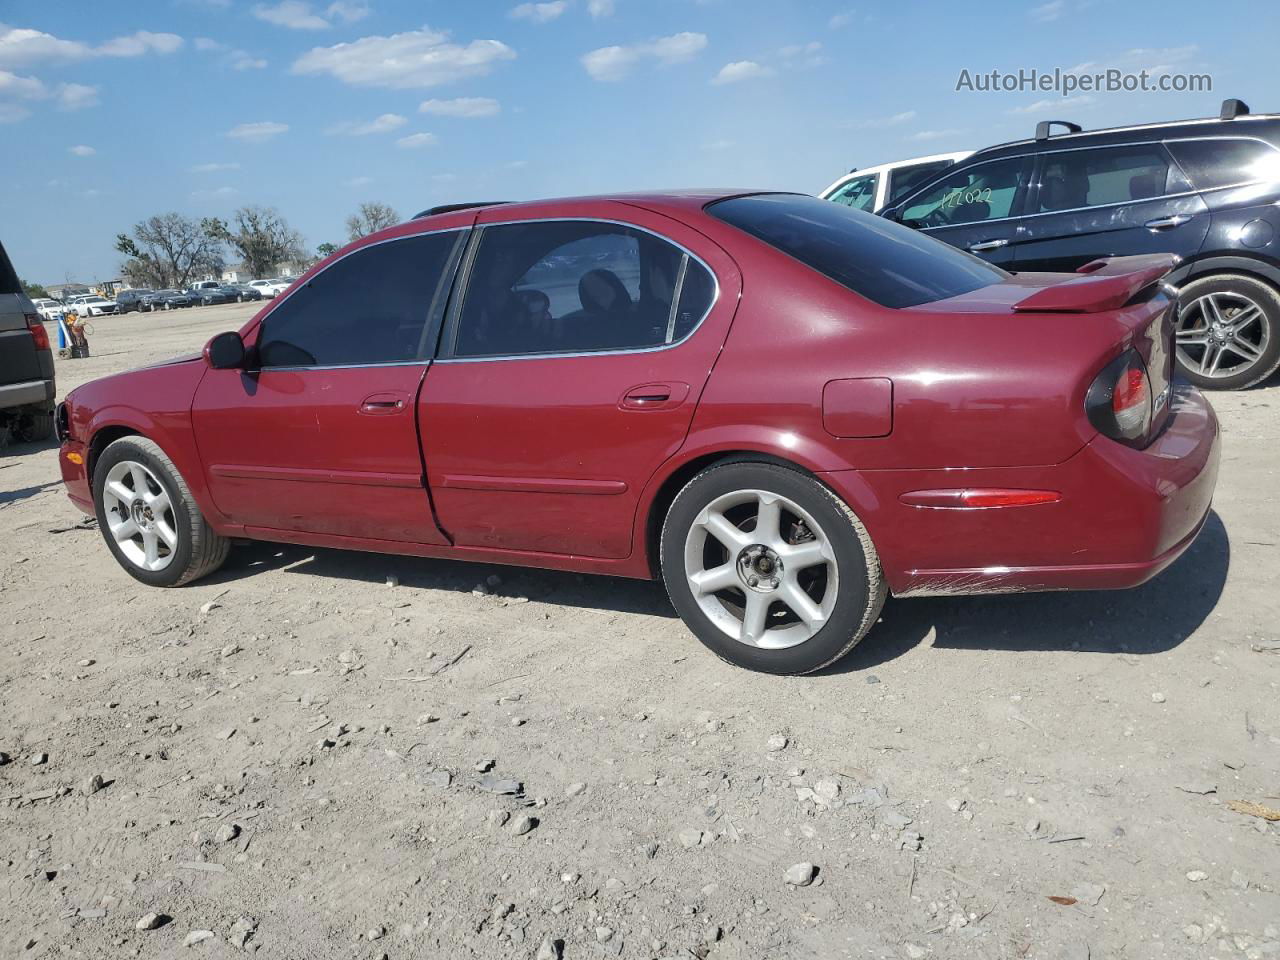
[[26, 363], [1206, 190]]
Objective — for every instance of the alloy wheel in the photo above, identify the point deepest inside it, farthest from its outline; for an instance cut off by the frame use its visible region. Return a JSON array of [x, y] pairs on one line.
[[1221, 334], [761, 569], [140, 515]]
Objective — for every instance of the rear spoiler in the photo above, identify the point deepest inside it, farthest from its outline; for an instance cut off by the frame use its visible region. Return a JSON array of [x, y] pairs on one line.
[[1101, 285]]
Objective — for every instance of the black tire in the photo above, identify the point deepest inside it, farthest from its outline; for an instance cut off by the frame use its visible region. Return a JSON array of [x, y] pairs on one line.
[[240, 298], [199, 551], [168, 305], [1266, 329], [35, 424], [861, 586]]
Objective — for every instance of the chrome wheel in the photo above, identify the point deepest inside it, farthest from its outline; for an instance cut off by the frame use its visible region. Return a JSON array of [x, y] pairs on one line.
[[761, 569], [1221, 334], [140, 516]]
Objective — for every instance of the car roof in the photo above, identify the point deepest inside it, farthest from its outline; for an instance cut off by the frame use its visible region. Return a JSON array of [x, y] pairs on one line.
[[680, 201]]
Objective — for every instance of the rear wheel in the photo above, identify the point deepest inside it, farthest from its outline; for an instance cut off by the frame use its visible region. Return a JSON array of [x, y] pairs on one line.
[[769, 568], [149, 519], [34, 425], [1228, 335]]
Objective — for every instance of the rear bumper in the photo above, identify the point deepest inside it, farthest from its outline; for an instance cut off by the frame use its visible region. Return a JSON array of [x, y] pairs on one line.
[[1124, 515], [25, 393]]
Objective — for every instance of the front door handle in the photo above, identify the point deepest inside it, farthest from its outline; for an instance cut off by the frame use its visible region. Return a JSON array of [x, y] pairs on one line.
[[987, 245], [383, 404], [654, 396], [1164, 223]]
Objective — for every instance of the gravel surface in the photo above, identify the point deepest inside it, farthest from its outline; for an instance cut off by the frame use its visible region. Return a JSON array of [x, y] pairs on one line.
[[325, 754]]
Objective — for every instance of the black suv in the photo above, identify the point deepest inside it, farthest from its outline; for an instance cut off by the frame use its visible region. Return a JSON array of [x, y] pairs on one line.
[[1207, 190], [134, 299], [26, 363]]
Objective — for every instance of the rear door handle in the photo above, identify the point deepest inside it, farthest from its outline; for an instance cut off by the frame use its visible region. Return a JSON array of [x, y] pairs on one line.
[[988, 245], [654, 396], [383, 404], [1164, 223]]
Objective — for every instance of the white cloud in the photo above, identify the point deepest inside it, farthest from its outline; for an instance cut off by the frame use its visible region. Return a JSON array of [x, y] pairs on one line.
[[539, 12], [383, 124], [294, 14], [802, 55], [24, 88], [347, 11], [841, 19], [80, 150], [359, 181], [935, 134], [893, 120], [214, 167], [77, 96], [1044, 106], [243, 61], [415, 140], [1049, 11], [206, 44], [21, 47], [461, 107], [419, 58], [600, 8], [257, 132], [742, 70], [136, 44], [14, 87], [614, 63]]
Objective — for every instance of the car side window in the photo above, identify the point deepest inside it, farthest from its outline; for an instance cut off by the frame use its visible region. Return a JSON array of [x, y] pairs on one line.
[[985, 191], [369, 307], [904, 180], [577, 286], [1225, 162], [859, 193], [1107, 175]]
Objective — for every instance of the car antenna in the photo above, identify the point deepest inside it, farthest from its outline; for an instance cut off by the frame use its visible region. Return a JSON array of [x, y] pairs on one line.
[[1043, 127], [1233, 108]]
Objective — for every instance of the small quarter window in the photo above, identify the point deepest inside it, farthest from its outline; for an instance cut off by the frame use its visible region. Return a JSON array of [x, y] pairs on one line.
[[1226, 162]]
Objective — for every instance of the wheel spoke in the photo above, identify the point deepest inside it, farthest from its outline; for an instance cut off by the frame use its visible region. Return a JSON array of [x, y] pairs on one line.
[[768, 521], [1210, 358], [151, 548], [717, 578], [139, 480], [1209, 308], [801, 605], [158, 504], [167, 534], [801, 555], [1245, 317], [754, 617], [1243, 348], [123, 529], [718, 525], [120, 492]]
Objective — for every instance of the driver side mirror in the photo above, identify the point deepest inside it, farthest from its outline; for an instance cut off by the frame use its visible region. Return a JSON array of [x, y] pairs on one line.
[[225, 352]]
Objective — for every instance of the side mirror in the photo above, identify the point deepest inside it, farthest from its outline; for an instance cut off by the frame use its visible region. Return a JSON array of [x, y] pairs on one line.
[[225, 352]]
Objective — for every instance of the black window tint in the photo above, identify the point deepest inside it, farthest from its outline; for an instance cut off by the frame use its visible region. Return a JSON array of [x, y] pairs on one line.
[[369, 307], [1221, 163], [1090, 178], [577, 286], [883, 261], [985, 191], [905, 179], [9, 282]]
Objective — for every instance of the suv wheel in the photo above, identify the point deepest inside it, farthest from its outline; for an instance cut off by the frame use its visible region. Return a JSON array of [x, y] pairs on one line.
[[769, 568], [149, 519], [1228, 334]]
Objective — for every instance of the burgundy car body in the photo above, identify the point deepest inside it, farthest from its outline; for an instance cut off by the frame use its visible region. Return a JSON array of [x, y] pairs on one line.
[[569, 462]]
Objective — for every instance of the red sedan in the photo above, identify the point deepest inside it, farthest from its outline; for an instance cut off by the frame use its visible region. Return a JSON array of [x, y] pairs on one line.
[[783, 407]]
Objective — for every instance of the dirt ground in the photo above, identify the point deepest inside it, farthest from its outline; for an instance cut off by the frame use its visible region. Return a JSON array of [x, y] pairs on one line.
[[291, 753]]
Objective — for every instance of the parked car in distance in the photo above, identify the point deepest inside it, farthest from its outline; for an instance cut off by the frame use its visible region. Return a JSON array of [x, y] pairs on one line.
[[271, 288], [133, 299], [169, 300], [47, 308], [877, 187], [243, 292], [91, 306], [587, 395], [207, 296], [26, 363], [1206, 190]]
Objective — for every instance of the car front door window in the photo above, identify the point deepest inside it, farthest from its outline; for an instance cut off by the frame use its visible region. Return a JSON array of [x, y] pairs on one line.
[[982, 192], [859, 193]]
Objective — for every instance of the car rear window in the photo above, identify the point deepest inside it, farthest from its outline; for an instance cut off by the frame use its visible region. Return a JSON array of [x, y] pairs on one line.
[[883, 261], [9, 282]]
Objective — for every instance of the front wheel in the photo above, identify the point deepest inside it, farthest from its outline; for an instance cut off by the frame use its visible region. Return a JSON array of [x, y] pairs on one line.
[[769, 568], [1228, 333], [149, 519]]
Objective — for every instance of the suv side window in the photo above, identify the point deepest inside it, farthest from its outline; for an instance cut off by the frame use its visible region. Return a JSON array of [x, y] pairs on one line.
[[1225, 162], [369, 307], [984, 191], [577, 286], [859, 193], [1106, 175], [905, 179]]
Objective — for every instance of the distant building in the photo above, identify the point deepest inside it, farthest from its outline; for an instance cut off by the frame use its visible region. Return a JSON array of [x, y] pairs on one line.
[[60, 291]]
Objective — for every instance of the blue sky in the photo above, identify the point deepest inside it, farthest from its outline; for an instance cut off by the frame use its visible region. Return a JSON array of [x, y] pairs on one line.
[[112, 111]]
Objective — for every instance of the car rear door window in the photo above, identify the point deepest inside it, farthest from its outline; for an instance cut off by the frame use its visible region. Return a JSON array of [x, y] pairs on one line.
[[369, 307], [985, 191], [904, 180], [883, 261], [577, 286], [1225, 162], [859, 193], [1076, 179]]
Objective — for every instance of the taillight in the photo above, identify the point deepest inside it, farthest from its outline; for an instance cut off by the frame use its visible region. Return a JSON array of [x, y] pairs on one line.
[[38, 333], [1119, 402]]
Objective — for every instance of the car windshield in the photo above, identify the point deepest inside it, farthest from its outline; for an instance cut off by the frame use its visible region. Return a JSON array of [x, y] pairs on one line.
[[883, 261]]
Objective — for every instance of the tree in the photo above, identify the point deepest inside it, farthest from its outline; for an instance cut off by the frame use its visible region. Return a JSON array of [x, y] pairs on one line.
[[326, 250], [169, 250], [34, 290], [370, 218], [262, 237]]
